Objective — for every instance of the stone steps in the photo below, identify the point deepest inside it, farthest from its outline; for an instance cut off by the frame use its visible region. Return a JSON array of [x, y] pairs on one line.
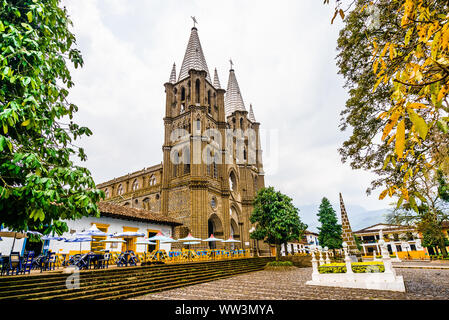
[[120, 283]]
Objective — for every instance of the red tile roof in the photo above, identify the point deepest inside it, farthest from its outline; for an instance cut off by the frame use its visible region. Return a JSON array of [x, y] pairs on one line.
[[108, 209]]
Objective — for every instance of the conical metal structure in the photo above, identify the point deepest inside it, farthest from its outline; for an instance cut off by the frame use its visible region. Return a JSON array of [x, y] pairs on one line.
[[216, 80], [194, 57], [251, 114], [173, 74], [347, 234], [233, 98]]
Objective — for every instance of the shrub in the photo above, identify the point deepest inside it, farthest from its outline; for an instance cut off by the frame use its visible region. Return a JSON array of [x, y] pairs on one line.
[[392, 256], [357, 267], [280, 264]]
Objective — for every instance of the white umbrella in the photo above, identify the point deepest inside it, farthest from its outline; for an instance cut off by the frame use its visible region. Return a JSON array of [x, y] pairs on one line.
[[80, 240], [128, 234], [145, 242], [169, 240], [192, 242], [92, 231], [212, 239], [231, 239], [189, 238], [159, 237]]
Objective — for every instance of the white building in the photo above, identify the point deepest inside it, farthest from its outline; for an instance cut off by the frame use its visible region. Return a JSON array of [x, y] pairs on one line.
[[113, 219]]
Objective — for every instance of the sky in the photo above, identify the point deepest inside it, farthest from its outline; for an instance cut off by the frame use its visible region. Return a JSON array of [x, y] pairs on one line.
[[284, 60]]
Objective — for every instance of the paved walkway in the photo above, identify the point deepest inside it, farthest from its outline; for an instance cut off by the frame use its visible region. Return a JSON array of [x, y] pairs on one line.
[[421, 284]]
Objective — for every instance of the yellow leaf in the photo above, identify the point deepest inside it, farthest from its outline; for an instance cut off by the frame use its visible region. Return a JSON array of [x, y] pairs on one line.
[[25, 123], [391, 123], [416, 105], [383, 194], [420, 124], [400, 139]]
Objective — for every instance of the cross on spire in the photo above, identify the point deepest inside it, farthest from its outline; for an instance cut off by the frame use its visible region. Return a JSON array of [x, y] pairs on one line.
[[194, 21], [232, 63]]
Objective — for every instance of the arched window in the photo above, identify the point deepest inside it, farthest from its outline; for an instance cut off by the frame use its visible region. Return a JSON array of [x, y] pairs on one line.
[[175, 164], [120, 190], [106, 192], [135, 185], [241, 123], [183, 93], [209, 163], [198, 124], [186, 160], [232, 181], [208, 98], [152, 180], [244, 154], [197, 90]]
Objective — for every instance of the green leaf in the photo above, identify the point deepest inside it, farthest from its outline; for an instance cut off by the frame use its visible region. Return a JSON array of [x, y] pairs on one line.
[[412, 202], [2, 27], [30, 16]]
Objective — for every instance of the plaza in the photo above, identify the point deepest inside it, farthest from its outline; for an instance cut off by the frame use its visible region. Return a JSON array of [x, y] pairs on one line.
[[422, 283]]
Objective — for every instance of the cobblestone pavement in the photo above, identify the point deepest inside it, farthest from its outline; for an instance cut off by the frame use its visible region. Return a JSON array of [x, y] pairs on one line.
[[421, 284]]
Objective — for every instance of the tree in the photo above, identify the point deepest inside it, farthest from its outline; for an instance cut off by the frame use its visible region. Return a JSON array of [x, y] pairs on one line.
[[276, 218], [39, 183], [399, 83], [330, 230]]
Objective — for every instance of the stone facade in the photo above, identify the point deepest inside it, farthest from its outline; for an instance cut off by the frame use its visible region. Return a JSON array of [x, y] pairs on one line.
[[200, 182]]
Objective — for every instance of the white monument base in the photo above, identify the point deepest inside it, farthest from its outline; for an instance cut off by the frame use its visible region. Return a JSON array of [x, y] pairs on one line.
[[374, 281]]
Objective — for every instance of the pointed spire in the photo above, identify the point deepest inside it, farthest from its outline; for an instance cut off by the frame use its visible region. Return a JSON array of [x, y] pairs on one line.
[[233, 99], [346, 230], [251, 114], [173, 74], [194, 57], [216, 80]]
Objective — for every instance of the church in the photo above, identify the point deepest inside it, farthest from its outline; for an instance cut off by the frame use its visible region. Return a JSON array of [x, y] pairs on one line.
[[211, 165]]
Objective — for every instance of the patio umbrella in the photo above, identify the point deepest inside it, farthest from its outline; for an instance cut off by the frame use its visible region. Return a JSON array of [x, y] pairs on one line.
[[128, 234], [80, 240], [12, 234], [160, 237], [231, 240], [189, 238], [169, 240], [34, 233], [212, 239], [92, 231]]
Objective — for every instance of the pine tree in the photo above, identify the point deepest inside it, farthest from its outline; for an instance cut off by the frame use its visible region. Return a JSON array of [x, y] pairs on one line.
[[330, 230]]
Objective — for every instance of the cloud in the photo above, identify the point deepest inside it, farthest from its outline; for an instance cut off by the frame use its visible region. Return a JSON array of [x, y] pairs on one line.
[[284, 55]]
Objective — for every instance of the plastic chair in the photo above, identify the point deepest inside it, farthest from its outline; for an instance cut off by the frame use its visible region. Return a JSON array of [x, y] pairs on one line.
[[15, 263], [28, 262]]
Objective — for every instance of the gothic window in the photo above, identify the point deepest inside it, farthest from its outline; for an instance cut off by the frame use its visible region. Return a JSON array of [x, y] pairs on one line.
[[135, 185], [198, 124], [208, 99], [215, 168], [186, 160], [197, 90], [175, 164], [232, 181], [106, 191], [209, 164], [213, 203], [183, 93], [244, 154], [241, 123], [120, 190], [152, 180]]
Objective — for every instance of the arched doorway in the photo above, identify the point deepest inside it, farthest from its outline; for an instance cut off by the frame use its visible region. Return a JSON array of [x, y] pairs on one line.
[[215, 227]]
